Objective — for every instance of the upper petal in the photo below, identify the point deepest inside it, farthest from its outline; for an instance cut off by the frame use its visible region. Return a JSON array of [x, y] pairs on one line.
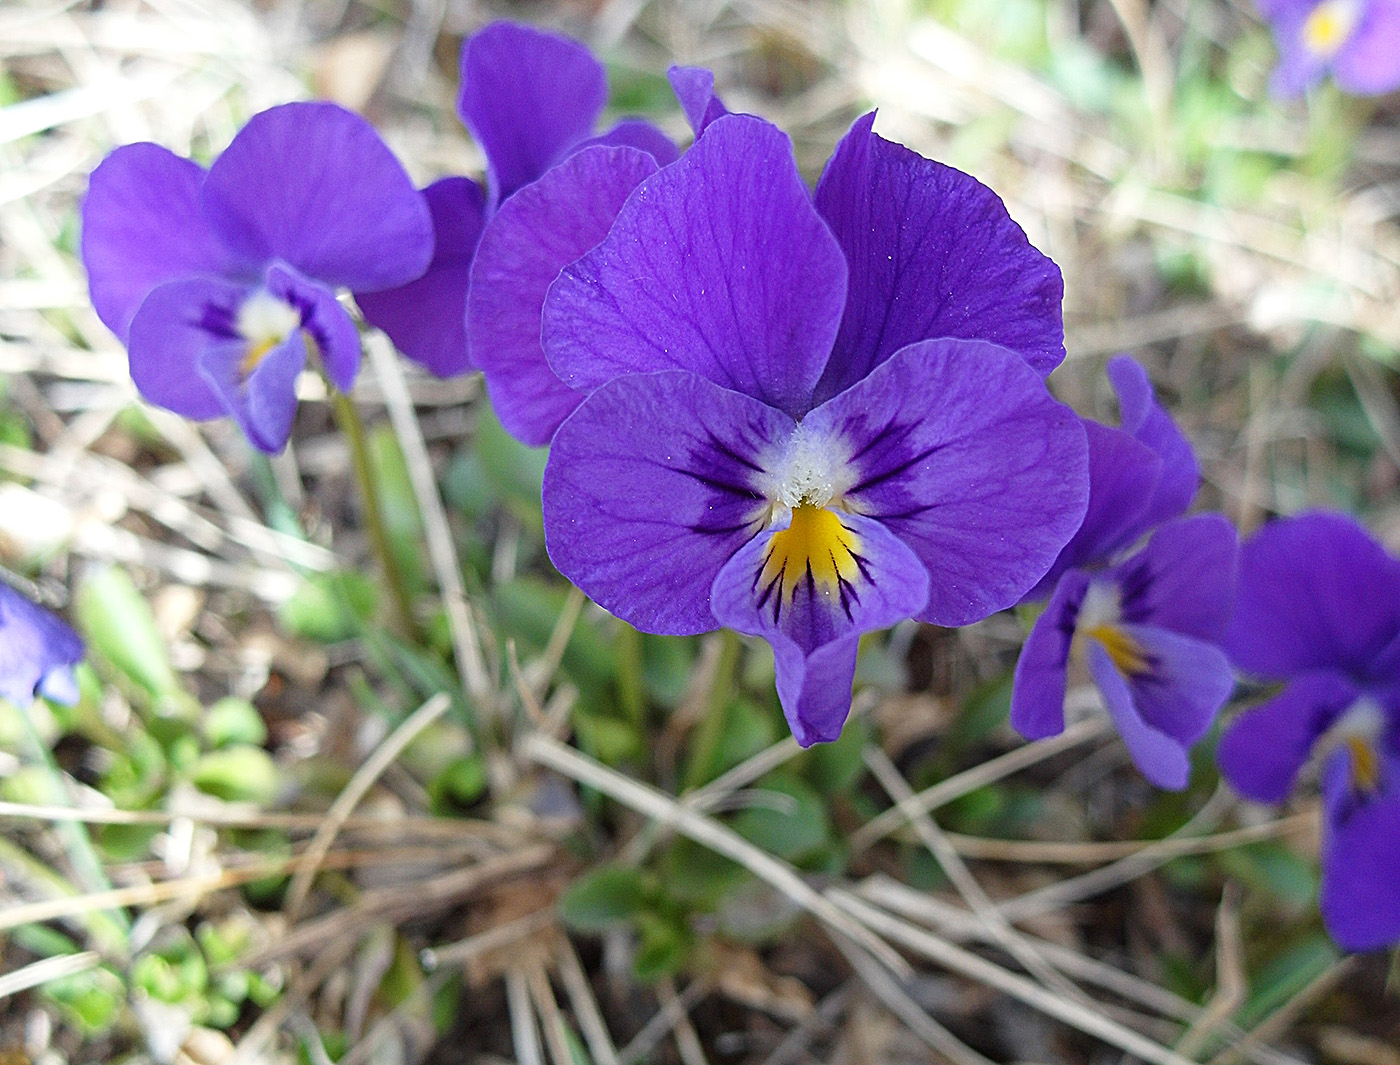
[[695, 90], [1149, 423], [814, 618], [649, 491], [1184, 577], [528, 96], [142, 226], [1315, 592], [959, 449], [1123, 474], [313, 185], [1263, 748], [35, 645], [640, 134], [932, 253], [718, 264], [426, 318], [1370, 62], [1038, 685], [535, 234]]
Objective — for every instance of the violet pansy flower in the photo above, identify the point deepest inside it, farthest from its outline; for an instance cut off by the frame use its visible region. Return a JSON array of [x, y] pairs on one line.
[[1358, 41], [809, 419], [1145, 628], [37, 652], [540, 230], [222, 282], [1318, 607], [530, 99]]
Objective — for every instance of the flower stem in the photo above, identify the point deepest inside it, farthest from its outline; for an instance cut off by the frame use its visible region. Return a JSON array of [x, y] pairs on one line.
[[353, 429]]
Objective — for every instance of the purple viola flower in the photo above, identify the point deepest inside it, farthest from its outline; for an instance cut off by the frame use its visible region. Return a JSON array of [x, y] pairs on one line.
[[1357, 40], [809, 419], [37, 652], [1145, 628], [530, 99], [223, 282], [1318, 608], [535, 234]]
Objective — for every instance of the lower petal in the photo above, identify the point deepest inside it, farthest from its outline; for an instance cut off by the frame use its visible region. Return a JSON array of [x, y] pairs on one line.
[[1263, 749], [1161, 759], [814, 619], [650, 490], [1360, 895], [265, 402], [1186, 685], [325, 320]]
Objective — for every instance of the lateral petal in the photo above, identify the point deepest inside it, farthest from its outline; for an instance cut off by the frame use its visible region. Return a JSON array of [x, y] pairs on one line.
[[177, 323], [1184, 577], [1038, 685], [651, 488], [961, 452]]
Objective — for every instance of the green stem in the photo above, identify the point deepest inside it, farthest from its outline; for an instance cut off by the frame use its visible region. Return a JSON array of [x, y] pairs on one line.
[[353, 429]]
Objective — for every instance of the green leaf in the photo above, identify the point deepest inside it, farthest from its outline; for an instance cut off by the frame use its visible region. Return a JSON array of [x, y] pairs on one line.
[[834, 768], [398, 505], [790, 822], [602, 898], [460, 784], [516, 470], [237, 774], [232, 721], [329, 607], [666, 943], [1285, 976], [120, 627]]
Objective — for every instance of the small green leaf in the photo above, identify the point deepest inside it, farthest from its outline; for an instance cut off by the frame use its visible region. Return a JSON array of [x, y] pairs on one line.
[[790, 822], [665, 946], [237, 774], [329, 607], [602, 898], [232, 721], [120, 627]]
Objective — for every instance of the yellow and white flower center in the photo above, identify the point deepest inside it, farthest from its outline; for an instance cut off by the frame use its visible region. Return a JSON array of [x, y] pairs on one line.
[[1330, 26], [1100, 619], [264, 322], [808, 480], [1359, 730]]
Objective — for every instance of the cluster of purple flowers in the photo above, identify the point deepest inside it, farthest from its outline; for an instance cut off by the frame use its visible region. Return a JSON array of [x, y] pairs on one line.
[[801, 415], [1357, 41]]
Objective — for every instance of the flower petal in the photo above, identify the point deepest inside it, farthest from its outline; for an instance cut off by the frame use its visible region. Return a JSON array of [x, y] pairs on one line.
[[1123, 474], [171, 332], [535, 234], [814, 624], [265, 402], [695, 90], [649, 491], [1185, 686], [324, 320], [718, 265], [528, 96], [141, 227], [1184, 578], [1369, 63], [932, 253], [1263, 748], [37, 651], [636, 133], [962, 453], [313, 185], [1148, 423], [1315, 592], [1160, 758], [426, 318], [1360, 894], [1038, 685]]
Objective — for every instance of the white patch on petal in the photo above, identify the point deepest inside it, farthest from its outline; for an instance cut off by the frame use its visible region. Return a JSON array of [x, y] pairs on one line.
[[809, 470], [266, 321]]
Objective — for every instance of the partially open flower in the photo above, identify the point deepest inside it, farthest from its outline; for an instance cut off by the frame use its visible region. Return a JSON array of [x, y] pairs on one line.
[[1358, 41], [222, 284], [1319, 608]]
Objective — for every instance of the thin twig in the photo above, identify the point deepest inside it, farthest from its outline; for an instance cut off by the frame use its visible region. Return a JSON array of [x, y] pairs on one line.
[[524, 1035], [590, 1018]]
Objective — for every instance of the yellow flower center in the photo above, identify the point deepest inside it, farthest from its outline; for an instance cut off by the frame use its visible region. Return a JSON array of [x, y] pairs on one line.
[[1127, 654], [817, 549], [1365, 763], [264, 322], [1330, 26]]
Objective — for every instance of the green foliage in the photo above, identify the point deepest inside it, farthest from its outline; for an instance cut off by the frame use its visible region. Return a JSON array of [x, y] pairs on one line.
[[121, 630], [330, 607], [603, 898]]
